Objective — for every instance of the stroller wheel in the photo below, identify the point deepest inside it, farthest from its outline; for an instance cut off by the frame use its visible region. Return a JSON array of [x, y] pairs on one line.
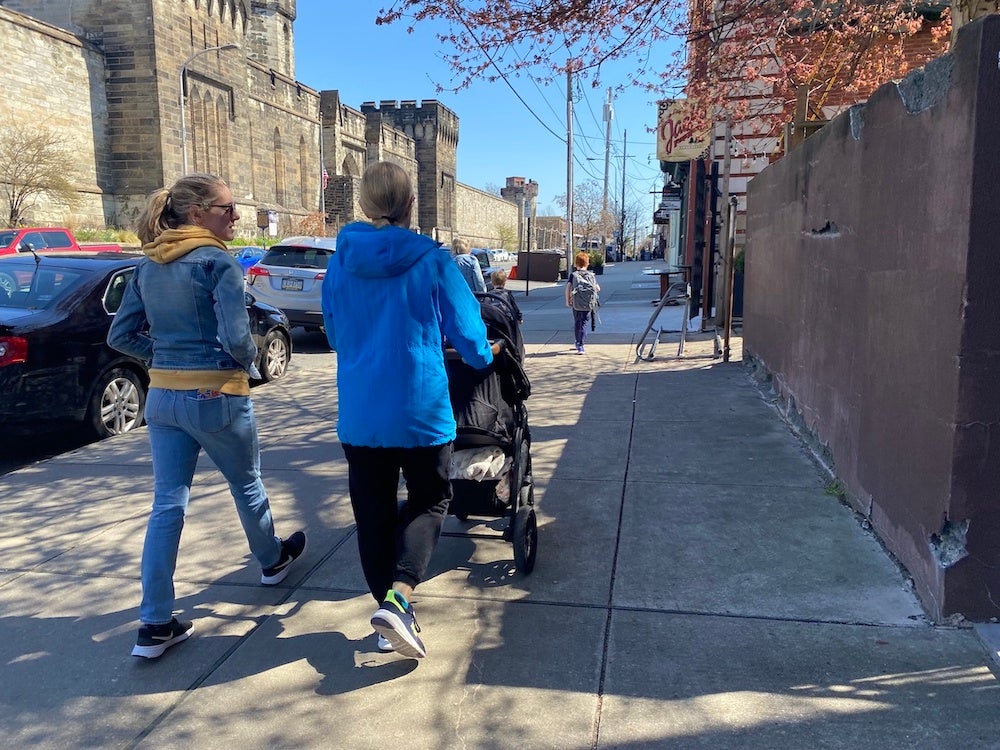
[[525, 540]]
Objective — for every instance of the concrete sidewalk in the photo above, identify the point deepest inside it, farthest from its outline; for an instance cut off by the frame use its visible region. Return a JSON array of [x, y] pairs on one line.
[[697, 585]]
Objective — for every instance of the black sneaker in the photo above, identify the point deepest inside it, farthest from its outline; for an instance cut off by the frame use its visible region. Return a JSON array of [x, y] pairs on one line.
[[153, 640], [291, 550], [397, 623]]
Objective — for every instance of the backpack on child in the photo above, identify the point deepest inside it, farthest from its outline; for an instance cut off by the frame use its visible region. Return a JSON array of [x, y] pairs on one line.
[[583, 290]]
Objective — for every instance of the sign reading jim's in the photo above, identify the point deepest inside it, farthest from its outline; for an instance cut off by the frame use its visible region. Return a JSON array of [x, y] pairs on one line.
[[676, 137]]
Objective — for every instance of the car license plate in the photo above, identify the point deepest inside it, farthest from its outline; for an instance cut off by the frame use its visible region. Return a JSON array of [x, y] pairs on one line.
[[294, 285]]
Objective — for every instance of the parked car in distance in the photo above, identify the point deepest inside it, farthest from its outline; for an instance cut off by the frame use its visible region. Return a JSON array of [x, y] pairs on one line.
[[55, 364], [43, 239], [485, 265], [249, 255], [290, 277], [498, 255]]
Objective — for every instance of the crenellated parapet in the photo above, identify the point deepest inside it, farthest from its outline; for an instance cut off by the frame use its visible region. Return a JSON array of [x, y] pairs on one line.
[[434, 130]]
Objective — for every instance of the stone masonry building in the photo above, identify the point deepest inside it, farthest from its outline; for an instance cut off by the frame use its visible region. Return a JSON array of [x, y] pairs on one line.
[[106, 77]]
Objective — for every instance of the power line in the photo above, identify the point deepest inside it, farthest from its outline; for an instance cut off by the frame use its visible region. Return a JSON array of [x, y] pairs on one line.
[[503, 77]]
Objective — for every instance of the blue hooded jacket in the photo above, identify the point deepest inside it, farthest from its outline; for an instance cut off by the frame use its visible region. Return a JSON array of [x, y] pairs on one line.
[[388, 297]]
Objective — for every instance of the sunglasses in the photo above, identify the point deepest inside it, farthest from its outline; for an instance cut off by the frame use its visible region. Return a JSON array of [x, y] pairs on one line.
[[230, 208]]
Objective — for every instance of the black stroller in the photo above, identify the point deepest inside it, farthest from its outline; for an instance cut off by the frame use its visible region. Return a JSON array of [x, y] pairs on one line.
[[490, 412]]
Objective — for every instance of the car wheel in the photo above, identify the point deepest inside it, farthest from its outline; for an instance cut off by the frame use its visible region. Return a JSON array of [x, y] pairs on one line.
[[116, 403], [8, 285], [274, 357]]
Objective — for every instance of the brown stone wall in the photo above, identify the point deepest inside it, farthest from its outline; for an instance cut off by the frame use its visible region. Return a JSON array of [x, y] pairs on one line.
[[284, 129], [252, 124], [870, 300], [483, 217], [59, 81]]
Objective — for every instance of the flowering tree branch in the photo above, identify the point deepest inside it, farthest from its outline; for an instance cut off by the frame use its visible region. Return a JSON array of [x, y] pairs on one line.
[[741, 60]]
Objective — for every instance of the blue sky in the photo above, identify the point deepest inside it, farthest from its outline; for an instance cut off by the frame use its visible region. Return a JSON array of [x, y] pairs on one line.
[[499, 137]]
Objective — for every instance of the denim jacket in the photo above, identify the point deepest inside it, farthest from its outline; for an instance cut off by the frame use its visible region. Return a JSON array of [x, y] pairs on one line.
[[472, 272], [187, 314]]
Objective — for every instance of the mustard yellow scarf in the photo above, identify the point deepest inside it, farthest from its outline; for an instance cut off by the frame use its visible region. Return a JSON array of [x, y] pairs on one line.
[[173, 243]]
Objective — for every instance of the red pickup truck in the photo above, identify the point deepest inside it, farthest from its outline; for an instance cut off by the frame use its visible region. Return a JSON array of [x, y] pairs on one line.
[[46, 238]]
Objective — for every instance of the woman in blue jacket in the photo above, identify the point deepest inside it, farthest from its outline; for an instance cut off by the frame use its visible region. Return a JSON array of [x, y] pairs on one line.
[[390, 295]]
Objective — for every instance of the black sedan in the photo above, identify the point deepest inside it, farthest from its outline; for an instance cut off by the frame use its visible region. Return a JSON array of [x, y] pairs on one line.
[[55, 364]]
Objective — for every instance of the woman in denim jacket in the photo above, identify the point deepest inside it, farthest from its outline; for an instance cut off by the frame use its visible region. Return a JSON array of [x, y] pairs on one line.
[[184, 314]]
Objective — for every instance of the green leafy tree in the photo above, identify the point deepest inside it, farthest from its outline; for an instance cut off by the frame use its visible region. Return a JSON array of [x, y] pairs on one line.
[[507, 237], [35, 162]]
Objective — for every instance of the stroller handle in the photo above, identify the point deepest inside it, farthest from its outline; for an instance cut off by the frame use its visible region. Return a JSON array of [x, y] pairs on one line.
[[495, 347]]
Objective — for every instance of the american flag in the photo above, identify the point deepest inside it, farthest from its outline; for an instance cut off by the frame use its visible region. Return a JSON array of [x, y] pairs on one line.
[[326, 177]]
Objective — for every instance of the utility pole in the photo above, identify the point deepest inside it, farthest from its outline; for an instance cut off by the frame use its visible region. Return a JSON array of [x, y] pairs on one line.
[[609, 114], [569, 167], [621, 228]]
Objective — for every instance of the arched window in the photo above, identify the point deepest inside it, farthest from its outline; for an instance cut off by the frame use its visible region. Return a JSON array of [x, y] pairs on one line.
[[253, 159], [222, 136], [210, 134], [350, 167], [279, 170], [306, 176], [196, 130]]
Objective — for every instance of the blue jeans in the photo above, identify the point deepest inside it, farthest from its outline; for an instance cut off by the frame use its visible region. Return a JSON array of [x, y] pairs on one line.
[[181, 423]]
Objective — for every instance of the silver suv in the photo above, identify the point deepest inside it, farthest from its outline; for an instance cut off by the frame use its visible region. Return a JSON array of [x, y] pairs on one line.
[[290, 276]]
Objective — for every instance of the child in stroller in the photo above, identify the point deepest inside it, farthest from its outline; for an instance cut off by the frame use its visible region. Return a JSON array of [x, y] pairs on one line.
[[491, 468]]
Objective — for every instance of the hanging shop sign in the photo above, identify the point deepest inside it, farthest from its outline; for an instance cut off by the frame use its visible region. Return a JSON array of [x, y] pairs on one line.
[[676, 137]]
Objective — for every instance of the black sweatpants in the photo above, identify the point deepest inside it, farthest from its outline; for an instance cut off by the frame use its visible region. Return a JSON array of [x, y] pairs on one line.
[[396, 541]]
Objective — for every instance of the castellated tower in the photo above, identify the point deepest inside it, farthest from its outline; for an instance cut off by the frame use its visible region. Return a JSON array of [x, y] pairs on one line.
[[186, 86], [434, 130], [270, 35]]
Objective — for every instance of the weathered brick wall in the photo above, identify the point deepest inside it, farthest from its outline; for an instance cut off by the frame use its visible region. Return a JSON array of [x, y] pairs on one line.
[[482, 217], [871, 301], [283, 161], [344, 133]]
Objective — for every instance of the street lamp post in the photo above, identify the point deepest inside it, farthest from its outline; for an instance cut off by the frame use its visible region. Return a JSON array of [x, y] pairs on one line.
[[183, 72]]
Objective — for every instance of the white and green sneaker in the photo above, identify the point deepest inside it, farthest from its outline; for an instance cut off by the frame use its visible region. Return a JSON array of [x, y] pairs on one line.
[[397, 623]]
